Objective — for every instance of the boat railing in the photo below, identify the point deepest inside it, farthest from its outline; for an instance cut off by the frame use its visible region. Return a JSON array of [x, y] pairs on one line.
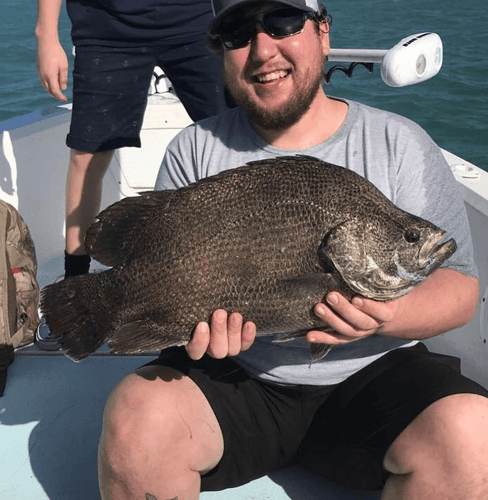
[[412, 60]]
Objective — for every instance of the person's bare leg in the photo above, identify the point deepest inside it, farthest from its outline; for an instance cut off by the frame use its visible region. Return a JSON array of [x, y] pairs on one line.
[[83, 195], [442, 454], [159, 434]]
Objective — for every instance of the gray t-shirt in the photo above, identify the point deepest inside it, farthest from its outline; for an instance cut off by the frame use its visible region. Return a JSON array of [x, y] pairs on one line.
[[391, 151]]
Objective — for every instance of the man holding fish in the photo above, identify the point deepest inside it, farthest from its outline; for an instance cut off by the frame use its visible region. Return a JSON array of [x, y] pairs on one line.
[[379, 411]]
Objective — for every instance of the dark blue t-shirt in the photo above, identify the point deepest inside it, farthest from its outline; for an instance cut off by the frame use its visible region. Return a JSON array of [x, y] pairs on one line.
[[137, 22]]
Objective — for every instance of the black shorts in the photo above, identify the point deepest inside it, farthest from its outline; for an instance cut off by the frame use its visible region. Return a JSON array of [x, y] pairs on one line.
[[341, 432], [110, 88]]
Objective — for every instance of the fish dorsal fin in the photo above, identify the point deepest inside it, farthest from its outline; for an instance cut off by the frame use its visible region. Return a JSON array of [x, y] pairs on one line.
[[110, 238], [287, 159]]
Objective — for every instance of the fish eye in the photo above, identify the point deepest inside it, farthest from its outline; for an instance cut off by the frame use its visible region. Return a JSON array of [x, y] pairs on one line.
[[411, 236]]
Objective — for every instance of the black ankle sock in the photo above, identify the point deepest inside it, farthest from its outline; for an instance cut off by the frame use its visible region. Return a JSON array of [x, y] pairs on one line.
[[74, 265]]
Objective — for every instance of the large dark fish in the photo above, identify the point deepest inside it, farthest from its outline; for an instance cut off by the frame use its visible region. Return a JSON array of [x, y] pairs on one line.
[[268, 240]]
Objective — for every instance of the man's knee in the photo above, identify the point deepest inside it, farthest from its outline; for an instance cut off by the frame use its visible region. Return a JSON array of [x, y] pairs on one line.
[[157, 415], [448, 440], [95, 163]]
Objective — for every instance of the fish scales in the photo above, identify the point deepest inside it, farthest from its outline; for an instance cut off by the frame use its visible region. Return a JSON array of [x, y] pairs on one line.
[[268, 240]]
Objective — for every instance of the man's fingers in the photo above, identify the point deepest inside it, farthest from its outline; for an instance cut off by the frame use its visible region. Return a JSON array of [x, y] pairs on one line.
[[219, 343], [55, 90], [347, 318], [200, 340], [234, 329], [248, 335], [63, 78], [331, 338], [382, 312], [225, 336]]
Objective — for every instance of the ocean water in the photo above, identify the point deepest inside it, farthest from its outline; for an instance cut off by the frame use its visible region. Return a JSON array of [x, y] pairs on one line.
[[452, 107]]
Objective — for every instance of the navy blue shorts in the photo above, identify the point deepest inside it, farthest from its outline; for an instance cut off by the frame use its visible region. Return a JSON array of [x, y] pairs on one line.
[[110, 88], [267, 427]]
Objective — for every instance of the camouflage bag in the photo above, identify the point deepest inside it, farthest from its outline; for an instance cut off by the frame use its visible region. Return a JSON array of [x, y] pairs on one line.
[[19, 290]]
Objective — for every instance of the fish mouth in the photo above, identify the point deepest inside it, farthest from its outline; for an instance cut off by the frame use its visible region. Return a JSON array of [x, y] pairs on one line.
[[431, 256], [435, 253]]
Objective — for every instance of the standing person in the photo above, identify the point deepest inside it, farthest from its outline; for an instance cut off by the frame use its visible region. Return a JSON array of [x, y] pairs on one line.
[[379, 411], [118, 43]]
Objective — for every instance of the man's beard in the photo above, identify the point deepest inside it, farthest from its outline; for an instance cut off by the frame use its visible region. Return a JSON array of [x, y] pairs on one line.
[[285, 116]]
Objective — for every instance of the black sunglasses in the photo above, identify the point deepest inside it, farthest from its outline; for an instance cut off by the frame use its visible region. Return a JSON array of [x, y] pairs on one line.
[[278, 23]]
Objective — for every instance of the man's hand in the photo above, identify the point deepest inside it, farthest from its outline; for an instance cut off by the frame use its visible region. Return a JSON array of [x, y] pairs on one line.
[[353, 320], [52, 66], [226, 336]]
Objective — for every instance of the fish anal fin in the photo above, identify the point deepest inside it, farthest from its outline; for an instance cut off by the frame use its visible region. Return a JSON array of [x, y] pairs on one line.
[[143, 336]]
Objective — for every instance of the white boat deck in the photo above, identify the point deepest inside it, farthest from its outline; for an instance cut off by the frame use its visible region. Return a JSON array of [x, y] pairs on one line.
[[50, 415], [50, 423]]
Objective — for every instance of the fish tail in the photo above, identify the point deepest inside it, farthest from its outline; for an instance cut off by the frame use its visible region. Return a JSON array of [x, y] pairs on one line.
[[70, 308]]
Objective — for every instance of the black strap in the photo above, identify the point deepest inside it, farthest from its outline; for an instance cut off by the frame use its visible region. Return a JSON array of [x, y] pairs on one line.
[[3, 380], [6, 358]]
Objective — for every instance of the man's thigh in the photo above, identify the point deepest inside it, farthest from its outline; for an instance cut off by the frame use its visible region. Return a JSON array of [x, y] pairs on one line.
[[353, 430], [262, 424]]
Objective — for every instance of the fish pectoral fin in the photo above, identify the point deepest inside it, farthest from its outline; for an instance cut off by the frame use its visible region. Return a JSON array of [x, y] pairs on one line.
[[143, 336], [315, 286], [319, 351], [311, 284]]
